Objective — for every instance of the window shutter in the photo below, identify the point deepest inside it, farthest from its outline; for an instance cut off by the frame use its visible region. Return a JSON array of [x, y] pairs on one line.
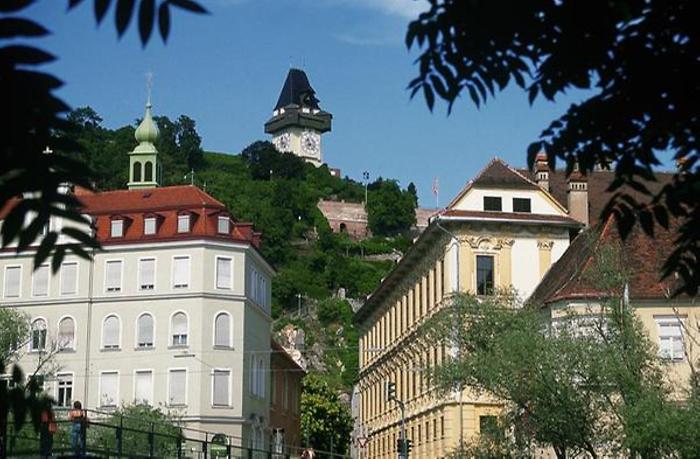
[[69, 278], [220, 387], [181, 272], [149, 225], [108, 389], [223, 273], [66, 333], [145, 331], [147, 272], [41, 281], [143, 387], [222, 330], [113, 276], [179, 329], [110, 332], [12, 281], [178, 384]]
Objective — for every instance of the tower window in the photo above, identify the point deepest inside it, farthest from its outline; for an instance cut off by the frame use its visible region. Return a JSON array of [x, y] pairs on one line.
[[492, 203], [148, 172], [522, 205], [484, 274], [137, 172]]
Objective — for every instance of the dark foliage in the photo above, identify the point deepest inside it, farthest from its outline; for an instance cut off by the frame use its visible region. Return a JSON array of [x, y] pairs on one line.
[[640, 58], [390, 210]]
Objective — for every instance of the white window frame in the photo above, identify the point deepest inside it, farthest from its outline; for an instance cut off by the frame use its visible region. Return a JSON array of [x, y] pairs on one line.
[[99, 390], [671, 320], [187, 382], [225, 220], [230, 330], [136, 331], [102, 332], [170, 334], [151, 402], [181, 218], [31, 334], [19, 289], [155, 226], [189, 273], [116, 223], [216, 272], [48, 281], [138, 274], [75, 331], [228, 385], [121, 275], [71, 376], [77, 275]]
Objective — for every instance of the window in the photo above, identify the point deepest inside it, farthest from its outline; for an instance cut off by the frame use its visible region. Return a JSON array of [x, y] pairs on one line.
[[222, 330], [183, 223], [179, 329], [223, 273], [64, 389], [137, 171], [143, 387], [109, 389], [285, 394], [144, 331], [261, 378], [69, 278], [484, 275], [177, 387], [148, 171], [670, 338], [149, 225], [113, 276], [40, 281], [221, 382], [493, 203], [66, 333], [223, 225], [110, 332], [117, 228], [521, 205], [181, 272], [38, 342], [147, 273], [13, 275]]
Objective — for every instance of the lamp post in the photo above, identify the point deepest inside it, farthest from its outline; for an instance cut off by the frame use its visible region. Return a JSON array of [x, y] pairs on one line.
[[365, 176]]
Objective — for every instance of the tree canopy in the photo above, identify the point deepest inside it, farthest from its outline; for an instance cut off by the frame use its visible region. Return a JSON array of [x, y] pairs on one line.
[[639, 58], [390, 210], [325, 421]]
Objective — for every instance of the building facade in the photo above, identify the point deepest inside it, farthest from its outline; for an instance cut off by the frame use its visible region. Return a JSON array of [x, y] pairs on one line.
[[502, 231], [173, 311], [285, 402]]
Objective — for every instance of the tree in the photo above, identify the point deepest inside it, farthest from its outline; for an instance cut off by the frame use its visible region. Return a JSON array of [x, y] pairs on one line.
[[325, 422], [390, 211], [638, 58], [33, 113]]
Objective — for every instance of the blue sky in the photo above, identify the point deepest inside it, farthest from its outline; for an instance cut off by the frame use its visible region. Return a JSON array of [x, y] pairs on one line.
[[225, 70]]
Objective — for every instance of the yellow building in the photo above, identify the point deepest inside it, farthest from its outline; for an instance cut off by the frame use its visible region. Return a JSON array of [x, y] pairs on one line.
[[502, 230]]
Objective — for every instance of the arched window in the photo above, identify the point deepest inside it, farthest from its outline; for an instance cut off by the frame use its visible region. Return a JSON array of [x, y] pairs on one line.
[[137, 171], [343, 228], [144, 331], [66, 333], [110, 332], [222, 330], [38, 342], [148, 172], [179, 329], [261, 377]]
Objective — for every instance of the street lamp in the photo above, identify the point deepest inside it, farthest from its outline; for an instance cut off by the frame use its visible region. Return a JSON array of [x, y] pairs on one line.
[[365, 176]]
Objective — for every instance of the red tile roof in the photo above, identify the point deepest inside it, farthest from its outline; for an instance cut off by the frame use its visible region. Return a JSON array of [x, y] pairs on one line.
[[151, 199], [569, 278]]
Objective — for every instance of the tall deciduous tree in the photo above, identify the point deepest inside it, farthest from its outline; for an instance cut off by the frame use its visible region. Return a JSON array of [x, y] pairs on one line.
[[325, 422], [390, 210], [641, 62]]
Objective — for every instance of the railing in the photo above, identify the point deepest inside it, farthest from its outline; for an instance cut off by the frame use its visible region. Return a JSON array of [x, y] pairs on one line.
[[109, 435]]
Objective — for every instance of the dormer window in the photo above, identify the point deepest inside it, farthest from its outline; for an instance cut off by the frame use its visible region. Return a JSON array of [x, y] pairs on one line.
[[183, 223], [117, 228], [522, 205], [223, 225], [149, 225], [492, 204]]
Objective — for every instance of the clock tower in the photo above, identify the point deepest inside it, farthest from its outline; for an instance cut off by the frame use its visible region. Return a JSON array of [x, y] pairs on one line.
[[297, 120]]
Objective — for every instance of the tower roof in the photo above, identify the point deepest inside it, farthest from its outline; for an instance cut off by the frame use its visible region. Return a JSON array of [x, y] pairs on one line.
[[297, 91], [147, 132]]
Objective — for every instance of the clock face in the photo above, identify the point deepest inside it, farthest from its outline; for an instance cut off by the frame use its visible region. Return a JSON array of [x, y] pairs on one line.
[[311, 143], [284, 142]]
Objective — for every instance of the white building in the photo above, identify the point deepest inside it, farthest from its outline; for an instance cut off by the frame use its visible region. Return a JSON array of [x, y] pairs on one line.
[[174, 311]]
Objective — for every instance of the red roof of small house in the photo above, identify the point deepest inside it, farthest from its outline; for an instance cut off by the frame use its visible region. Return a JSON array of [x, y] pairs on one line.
[[570, 277]]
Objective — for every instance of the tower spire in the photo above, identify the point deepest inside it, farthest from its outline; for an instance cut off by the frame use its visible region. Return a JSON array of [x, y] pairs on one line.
[[144, 167]]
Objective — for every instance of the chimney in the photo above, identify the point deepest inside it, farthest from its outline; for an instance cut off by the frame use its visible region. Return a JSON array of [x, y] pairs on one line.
[[577, 196], [542, 170]]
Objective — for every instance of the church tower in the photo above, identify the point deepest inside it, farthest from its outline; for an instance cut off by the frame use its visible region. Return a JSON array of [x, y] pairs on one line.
[[144, 167], [297, 120]]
